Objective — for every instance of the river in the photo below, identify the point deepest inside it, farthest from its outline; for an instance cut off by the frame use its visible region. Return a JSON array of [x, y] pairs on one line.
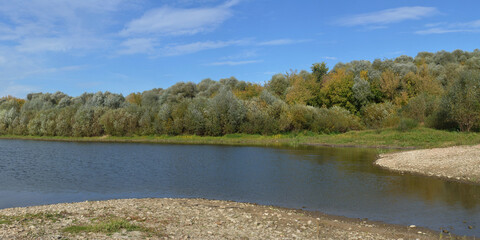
[[338, 181]]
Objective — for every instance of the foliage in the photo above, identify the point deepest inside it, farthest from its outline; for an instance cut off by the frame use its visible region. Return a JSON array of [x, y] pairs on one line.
[[420, 107], [440, 90], [379, 115], [463, 100], [407, 124], [337, 90], [319, 70], [302, 88]]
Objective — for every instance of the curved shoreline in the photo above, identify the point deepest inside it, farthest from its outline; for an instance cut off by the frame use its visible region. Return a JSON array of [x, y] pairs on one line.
[[189, 218], [458, 163]]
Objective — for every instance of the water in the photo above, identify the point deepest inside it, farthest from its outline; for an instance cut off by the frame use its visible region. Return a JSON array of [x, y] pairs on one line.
[[339, 181]]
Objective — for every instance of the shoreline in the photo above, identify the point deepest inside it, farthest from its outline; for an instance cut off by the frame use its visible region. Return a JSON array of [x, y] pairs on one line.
[[456, 163], [160, 218], [178, 140], [385, 139]]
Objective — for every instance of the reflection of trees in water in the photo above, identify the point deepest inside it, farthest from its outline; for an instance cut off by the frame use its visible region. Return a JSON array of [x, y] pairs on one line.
[[430, 189], [433, 189], [348, 157]]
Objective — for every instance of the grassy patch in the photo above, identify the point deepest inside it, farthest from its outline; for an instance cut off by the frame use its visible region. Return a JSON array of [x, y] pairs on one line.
[[107, 227], [53, 217], [418, 137], [4, 220]]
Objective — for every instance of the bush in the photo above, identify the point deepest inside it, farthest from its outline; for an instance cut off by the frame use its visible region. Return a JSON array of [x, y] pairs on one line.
[[407, 124], [379, 115], [334, 120], [420, 107], [461, 103]]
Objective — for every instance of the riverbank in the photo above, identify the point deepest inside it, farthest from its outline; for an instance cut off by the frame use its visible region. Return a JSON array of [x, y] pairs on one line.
[[381, 139], [189, 218], [459, 162]]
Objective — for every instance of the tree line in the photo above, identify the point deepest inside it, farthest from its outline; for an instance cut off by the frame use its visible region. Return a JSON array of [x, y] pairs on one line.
[[438, 90]]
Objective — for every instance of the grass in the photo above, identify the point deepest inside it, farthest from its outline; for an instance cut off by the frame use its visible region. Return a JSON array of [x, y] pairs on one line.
[[419, 138], [5, 221], [108, 227], [53, 217]]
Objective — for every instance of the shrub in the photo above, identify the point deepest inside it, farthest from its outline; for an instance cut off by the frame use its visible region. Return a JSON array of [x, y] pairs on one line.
[[378, 115], [420, 107], [335, 119], [407, 124]]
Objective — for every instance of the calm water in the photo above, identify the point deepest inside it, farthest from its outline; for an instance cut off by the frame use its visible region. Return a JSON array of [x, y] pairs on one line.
[[336, 181]]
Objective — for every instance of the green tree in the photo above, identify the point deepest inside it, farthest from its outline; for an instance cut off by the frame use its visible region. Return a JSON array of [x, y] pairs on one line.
[[319, 70], [464, 100]]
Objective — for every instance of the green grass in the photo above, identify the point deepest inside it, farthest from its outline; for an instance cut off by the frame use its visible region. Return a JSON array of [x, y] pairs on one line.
[[107, 227], [5, 221], [419, 138], [53, 217]]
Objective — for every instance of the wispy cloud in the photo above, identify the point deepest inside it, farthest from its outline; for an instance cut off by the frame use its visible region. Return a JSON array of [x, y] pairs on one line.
[[234, 63], [441, 28], [58, 44], [138, 45], [55, 25], [284, 41], [329, 58], [246, 54], [182, 49], [179, 21], [388, 16]]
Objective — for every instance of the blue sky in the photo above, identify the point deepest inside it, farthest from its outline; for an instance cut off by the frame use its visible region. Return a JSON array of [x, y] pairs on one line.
[[124, 46]]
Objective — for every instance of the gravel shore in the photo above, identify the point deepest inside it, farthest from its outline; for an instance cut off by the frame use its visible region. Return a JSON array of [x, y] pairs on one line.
[[459, 163], [188, 219]]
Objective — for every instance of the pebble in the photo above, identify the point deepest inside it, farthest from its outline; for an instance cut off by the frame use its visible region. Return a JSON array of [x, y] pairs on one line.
[[193, 218]]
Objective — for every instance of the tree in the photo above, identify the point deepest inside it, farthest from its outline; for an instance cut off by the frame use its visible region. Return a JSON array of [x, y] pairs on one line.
[[361, 92], [390, 84], [464, 100], [278, 85], [319, 70], [302, 88], [337, 90], [224, 113]]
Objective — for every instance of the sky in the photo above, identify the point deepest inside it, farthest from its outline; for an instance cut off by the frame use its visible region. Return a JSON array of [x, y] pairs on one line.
[[122, 46]]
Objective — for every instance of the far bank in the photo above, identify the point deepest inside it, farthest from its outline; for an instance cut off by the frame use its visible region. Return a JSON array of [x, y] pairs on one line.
[[419, 138]]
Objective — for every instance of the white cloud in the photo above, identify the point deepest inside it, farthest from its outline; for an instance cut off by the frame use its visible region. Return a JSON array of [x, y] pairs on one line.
[[246, 54], [285, 41], [56, 25], [179, 21], [182, 49], [329, 58], [151, 47], [270, 73], [138, 45], [58, 44], [234, 63], [441, 28], [387, 16]]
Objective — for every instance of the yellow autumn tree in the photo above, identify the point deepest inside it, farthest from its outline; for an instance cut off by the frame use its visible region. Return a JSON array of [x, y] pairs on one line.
[[301, 89]]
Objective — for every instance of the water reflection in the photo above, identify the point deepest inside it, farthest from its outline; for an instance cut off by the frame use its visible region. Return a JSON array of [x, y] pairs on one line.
[[432, 189], [427, 188]]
